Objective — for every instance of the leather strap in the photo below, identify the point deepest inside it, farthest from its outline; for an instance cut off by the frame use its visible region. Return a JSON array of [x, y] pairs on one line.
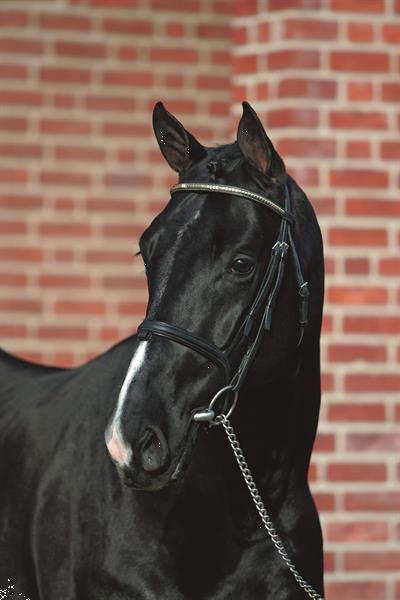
[[194, 342]]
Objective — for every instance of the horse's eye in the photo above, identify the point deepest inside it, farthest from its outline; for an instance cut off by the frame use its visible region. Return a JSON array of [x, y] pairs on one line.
[[242, 265]]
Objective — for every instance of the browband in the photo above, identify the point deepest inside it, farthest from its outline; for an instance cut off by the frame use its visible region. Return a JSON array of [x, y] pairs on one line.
[[233, 191]]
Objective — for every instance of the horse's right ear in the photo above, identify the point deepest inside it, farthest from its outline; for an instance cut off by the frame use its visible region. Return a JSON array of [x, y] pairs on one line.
[[177, 145]]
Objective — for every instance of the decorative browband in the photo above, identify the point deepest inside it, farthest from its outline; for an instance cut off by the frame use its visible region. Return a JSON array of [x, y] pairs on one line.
[[233, 191]]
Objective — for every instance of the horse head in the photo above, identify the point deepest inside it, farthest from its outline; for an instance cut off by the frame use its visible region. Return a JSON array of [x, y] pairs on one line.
[[207, 256]]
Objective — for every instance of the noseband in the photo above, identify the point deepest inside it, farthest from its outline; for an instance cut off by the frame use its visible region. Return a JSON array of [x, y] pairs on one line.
[[263, 303]]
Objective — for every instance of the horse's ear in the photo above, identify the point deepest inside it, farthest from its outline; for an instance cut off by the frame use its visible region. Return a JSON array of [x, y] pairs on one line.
[[256, 146], [177, 145]]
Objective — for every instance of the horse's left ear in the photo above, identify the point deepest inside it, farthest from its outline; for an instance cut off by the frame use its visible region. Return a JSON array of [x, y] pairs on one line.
[[256, 146], [178, 146]]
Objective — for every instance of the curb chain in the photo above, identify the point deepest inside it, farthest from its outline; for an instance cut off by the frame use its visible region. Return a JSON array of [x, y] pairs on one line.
[[266, 519]]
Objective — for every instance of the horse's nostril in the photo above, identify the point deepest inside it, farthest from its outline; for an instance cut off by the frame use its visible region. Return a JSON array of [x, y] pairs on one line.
[[154, 452]]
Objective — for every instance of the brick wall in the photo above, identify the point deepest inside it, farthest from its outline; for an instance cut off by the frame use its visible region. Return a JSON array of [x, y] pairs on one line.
[[80, 171], [325, 76], [80, 177]]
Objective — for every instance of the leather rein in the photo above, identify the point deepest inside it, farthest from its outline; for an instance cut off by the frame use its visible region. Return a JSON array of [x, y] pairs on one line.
[[263, 303]]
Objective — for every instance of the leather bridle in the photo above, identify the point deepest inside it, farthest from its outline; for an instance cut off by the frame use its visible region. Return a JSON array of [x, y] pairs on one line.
[[263, 303]]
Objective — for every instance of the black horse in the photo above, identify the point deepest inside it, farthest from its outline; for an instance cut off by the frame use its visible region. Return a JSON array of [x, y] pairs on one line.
[[172, 518]]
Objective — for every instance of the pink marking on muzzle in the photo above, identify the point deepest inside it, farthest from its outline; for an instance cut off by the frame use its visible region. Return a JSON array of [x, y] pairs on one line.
[[118, 450]]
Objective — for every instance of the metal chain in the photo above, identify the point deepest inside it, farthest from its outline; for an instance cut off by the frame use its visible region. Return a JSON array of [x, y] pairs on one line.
[[266, 519]]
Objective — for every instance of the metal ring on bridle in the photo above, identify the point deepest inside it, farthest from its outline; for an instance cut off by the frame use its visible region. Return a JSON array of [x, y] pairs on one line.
[[208, 415], [222, 391]]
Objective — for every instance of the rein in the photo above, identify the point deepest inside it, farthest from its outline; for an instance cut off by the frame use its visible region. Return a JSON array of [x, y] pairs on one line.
[[263, 304]]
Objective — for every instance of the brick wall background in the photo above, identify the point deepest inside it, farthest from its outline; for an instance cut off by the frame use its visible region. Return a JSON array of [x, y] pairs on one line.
[[81, 177]]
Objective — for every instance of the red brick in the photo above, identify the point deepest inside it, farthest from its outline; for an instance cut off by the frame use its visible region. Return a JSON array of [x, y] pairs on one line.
[[28, 98], [291, 117], [372, 501], [175, 29], [79, 153], [263, 32], [12, 228], [21, 150], [307, 88], [357, 266], [350, 119], [216, 31], [65, 75], [132, 308], [356, 412], [20, 201], [13, 18], [190, 6], [284, 4], [355, 590], [64, 21], [13, 176], [128, 52], [314, 147], [212, 82], [79, 308], [356, 531], [13, 72], [239, 34], [245, 7], [20, 305], [304, 29], [373, 442], [365, 62], [65, 229], [374, 6], [305, 176], [174, 55], [64, 126], [356, 471], [360, 32], [391, 92], [350, 352], [324, 205], [81, 49], [372, 324], [65, 333], [325, 502], [20, 46], [390, 150], [324, 442], [245, 63], [57, 281], [65, 178], [358, 178], [360, 90], [128, 26], [108, 256], [12, 330], [376, 561], [357, 295], [373, 208], [389, 266], [114, 3], [359, 149], [293, 59], [129, 78], [391, 33], [13, 123], [13, 279], [364, 382]]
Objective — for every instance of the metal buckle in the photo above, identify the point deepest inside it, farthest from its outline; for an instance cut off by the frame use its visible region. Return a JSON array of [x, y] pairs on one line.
[[208, 415], [280, 248]]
